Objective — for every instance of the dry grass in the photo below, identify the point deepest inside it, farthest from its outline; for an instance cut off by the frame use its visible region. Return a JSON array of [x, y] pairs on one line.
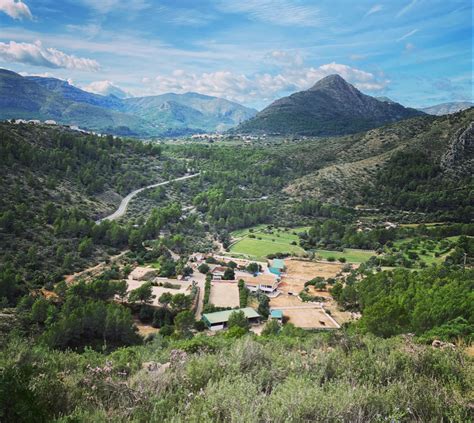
[[299, 272]]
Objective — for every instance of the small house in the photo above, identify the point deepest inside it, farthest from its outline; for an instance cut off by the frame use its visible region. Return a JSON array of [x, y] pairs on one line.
[[219, 319], [218, 273]]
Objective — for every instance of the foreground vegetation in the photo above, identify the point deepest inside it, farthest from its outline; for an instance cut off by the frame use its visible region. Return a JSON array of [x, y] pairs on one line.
[[290, 376]]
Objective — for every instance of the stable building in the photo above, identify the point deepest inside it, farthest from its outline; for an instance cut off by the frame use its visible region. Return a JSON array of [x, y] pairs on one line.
[[219, 319], [218, 273]]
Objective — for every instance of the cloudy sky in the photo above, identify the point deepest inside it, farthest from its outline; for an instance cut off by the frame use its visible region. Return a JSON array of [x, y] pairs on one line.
[[417, 52]]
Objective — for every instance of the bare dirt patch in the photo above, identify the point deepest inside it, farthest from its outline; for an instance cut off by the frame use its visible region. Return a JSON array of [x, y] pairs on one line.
[[309, 318], [143, 329], [224, 294], [298, 272], [285, 300]]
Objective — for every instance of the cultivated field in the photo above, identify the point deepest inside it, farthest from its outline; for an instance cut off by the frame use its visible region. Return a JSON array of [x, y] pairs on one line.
[[257, 242], [224, 294]]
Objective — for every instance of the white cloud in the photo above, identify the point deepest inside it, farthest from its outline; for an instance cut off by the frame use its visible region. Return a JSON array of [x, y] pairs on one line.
[[408, 34], [15, 9], [184, 17], [106, 88], [262, 87], [356, 57], [374, 9], [37, 55], [406, 8], [280, 12], [284, 58], [106, 6]]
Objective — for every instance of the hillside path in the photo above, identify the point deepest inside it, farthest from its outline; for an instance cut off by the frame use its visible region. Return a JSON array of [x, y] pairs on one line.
[[126, 200]]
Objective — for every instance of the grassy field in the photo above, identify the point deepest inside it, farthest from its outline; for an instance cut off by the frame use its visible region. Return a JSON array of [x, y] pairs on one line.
[[259, 241], [350, 254]]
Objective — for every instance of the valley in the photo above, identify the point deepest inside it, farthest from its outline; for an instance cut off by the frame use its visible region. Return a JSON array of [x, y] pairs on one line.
[[167, 256]]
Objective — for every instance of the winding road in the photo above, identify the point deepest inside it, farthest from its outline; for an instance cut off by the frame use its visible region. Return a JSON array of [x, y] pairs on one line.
[[126, 200]]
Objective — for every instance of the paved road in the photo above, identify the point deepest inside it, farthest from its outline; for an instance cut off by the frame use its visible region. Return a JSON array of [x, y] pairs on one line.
[[124, 204]]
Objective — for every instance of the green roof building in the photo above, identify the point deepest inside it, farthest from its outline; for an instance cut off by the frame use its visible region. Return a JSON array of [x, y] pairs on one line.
[[219, 319]]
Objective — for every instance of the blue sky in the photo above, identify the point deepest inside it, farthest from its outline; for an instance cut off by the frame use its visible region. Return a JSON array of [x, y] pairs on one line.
[[417, 52]]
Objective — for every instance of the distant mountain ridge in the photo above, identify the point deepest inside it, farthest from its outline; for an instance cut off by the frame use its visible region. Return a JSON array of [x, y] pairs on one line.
[[34, 97], [447, 108], [331, 107]]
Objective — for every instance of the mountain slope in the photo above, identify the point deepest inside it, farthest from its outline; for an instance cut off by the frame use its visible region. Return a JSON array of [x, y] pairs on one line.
[[70, 92], [419, 164], [331, 107], [22, 97], [34, 97], [190, 110], [447, 108]]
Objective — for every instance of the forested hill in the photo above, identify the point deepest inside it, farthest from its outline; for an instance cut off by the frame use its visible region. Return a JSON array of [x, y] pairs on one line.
[[54, 183], [422, 164]]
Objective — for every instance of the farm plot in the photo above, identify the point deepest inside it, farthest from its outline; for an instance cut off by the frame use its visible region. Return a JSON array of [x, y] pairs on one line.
[[224, 294]]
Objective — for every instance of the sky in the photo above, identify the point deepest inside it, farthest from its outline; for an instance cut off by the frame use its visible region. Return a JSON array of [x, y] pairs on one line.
[[416, 52]]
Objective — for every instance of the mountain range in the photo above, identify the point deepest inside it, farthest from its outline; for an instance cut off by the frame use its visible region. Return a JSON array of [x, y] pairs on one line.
[[33, 97], [331, 107], [447, 108]]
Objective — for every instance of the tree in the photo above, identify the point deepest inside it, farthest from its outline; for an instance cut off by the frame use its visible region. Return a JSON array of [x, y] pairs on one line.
[[121, 288], [167, 330], [385, 318], [39, 311], [142, 294], [271, 328], [187, 271], [238, 319], [229, 274], [85, 247], [204, 268], [162, 317], [263, 305], [253, 268], [184, 323], [165, 298], [180, 301], [243, 294]]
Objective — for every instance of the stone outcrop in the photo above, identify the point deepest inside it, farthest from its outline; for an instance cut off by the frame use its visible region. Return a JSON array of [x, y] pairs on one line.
[[459, 158]]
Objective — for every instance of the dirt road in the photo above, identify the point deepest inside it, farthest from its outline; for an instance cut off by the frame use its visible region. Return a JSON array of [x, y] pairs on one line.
[[124, 204]]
